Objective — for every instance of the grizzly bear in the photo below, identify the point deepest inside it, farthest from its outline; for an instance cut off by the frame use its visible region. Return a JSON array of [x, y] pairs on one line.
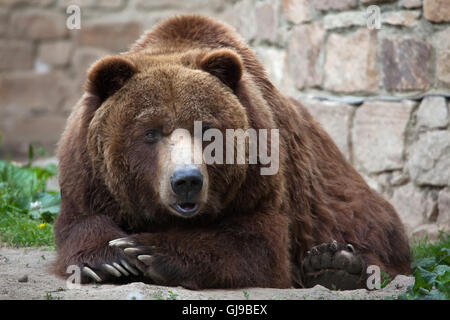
[[131, 212]]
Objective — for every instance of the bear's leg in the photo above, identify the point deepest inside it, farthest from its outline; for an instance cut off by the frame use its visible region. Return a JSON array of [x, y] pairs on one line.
[[201, 259], [83, 245], [335, 266]]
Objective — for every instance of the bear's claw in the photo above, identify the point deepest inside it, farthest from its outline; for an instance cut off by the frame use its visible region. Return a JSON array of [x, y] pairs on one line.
[[91, 274], [333, 265], [141, 256], [121, 242]]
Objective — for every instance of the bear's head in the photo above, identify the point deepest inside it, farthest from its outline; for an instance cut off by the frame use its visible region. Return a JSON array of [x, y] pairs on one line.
[[146, 135]]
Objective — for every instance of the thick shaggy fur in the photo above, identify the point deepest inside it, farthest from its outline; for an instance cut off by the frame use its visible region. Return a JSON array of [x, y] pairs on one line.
[[255, 230]]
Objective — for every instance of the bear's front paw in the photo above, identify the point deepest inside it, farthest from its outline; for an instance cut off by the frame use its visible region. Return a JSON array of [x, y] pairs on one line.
[[335, 266], [110, 267], [143, 257]]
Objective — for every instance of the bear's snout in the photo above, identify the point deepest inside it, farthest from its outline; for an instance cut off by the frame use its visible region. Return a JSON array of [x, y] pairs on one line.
[[187, 183]]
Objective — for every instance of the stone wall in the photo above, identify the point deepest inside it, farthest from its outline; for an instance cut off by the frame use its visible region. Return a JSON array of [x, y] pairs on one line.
[[381, 93]]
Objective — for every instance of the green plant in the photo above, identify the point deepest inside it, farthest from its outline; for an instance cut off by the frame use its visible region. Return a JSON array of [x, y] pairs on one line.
[[172, 295], [158, 295], [431, 270], [27, 209], [385, 279]]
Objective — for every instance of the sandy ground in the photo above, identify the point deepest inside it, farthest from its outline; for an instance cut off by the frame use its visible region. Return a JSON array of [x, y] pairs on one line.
[[31, 265]]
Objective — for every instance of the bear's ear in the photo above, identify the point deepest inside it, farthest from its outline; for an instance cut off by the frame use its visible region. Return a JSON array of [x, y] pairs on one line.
[[223, 64], [108, 75]]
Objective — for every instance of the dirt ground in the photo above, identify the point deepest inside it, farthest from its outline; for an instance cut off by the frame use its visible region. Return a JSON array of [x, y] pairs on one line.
[[24, 274]]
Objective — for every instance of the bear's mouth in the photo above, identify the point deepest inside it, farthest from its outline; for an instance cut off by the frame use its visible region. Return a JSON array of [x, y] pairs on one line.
[[185, 208]]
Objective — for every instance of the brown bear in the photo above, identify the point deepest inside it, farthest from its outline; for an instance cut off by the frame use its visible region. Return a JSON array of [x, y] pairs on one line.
[[129, 212]]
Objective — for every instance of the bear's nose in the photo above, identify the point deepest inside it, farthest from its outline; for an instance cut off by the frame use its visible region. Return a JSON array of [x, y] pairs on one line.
[[187, 182]]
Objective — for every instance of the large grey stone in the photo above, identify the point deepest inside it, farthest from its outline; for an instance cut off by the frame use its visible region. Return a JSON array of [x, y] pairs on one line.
[[56, 53], [242, 16], [350, 62], [412, 206], [335, 118], [432, 113], [429, 159], [296, 11], [404, 18], [266, 21], [379, 135], [38, 24], [443, 219], [436, 10], [410, 4], [375, 1], [335, 4], [113, 36], [345, 20], [406, 64], [429, 230], [442, 44], [304, 48], [274, 62], [16, 55], [32, 92]]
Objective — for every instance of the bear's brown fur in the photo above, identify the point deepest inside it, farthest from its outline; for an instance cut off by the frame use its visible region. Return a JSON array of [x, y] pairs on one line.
[[253, 229]]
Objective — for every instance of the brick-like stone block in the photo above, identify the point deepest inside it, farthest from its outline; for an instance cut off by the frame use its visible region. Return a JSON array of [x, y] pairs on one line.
[[350, 62], [30, 106], [83, 4], [429, 230], [266, 21], [297, 11], [404, 18], [213, 5], [432, 113], [82, 59], [379, 135], [20, 131], [411, 205], [436, 10], [242, 17], [110, 4], [442, 41], [443, 218], [4, 21], [325, 5], [274, 62], [16, 55], [411, 4], [20, 3], [367, 2], [113, 36], [304, 46], [429, 159], [30, 92], [335, 118], [406, 64], [56, 53], [38, 24], [345, 20]]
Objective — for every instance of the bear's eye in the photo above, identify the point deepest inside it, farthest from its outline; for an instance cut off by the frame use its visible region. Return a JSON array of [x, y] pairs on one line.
[[152, 135]]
